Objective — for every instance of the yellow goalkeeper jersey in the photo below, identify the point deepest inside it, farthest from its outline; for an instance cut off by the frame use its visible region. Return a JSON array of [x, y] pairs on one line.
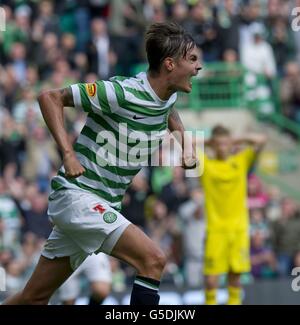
[[225, 191]]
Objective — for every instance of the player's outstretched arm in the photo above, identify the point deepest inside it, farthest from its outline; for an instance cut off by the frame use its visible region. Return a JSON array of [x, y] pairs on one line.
[[52, 103], [175, 125]]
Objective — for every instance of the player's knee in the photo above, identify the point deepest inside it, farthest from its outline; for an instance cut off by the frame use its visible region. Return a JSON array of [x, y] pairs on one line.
[[234, 279], [161, 260], [211, 282], [155, 261]]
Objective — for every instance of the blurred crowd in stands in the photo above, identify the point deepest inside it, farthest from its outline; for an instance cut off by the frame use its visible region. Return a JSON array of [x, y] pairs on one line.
[[51, 44]]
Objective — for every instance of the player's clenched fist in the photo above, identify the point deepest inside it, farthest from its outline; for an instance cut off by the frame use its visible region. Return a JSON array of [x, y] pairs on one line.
[[189, 162], [72, 166]]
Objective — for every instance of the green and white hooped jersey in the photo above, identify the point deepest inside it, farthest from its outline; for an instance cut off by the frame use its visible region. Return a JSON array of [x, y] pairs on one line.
[[126, 123]]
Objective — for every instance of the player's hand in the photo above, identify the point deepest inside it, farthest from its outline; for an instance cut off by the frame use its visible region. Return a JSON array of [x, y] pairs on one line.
[[72, 166], [189, 162]]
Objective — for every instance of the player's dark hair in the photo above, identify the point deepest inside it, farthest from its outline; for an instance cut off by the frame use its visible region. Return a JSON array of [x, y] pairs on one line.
[[220, 130], [167, 39]]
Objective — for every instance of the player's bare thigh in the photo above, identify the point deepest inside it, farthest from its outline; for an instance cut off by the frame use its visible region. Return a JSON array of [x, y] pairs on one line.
[[138, 250]]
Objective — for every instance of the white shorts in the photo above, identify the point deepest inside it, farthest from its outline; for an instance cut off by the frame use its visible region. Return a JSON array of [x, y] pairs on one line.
[[96, 268], [83, 224]]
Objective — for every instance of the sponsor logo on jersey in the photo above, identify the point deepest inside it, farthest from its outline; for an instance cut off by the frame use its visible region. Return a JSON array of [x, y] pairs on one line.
[[91, 89]]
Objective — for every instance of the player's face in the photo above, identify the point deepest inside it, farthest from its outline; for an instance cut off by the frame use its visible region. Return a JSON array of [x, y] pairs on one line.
[[222, 145], [184, 69]]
